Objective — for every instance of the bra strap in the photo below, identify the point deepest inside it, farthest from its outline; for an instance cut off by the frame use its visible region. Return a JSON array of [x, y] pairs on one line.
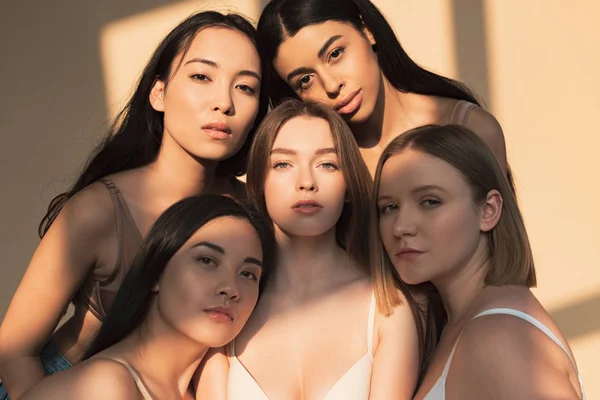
[[533, 321], [371, 324], [138, 381], [461, 111]]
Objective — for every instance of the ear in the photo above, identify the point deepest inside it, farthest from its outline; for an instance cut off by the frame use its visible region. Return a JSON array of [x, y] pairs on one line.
[[368, 34], [491, 211], [156, 287], [157, 94], [347, 197]]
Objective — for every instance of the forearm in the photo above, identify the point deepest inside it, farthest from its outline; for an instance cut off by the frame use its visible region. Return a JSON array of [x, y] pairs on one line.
[[20, 373]]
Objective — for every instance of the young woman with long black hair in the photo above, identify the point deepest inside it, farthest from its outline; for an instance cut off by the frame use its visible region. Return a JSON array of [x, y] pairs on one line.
[[345, 54], [192, 286], [185, 131]]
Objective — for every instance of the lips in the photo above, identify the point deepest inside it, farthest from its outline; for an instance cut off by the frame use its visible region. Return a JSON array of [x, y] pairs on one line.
[[217, 130], [350, 102], [221, 313], [307, 207], [408, 253], [306, 204]]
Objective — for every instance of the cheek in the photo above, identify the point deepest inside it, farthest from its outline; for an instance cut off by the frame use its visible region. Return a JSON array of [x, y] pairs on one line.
[[181, 289], [455, 235], [249, 293], [386, 233], [246, 110]]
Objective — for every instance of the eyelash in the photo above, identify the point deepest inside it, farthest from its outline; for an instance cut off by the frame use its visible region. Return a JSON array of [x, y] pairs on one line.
[[432, 203], [280, 165], [332, 168], [203, 259], [253, 277], [301, 85], [386, 208], [339, 49], [204, 78]]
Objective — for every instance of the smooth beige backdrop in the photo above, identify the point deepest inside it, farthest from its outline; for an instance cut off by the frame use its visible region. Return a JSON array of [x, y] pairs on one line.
[[68, 66]]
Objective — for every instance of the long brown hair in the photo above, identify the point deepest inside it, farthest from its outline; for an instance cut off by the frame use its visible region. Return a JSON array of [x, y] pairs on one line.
[[509, 249], [350, 232]]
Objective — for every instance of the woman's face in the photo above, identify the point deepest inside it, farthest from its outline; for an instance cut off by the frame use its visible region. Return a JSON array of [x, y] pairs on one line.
[[212, 96], [210, 286], [332, 63], [429, 224], [304, 186]]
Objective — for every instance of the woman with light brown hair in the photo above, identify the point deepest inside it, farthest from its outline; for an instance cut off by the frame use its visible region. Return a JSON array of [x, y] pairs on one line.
[[446, 215], [316, 332]]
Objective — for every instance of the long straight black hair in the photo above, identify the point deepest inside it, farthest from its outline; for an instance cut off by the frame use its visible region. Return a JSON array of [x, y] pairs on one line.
[[170, 231], [135, 136], [282, 18]]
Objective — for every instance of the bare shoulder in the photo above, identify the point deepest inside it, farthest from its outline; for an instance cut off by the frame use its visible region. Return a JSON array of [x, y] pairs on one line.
[[93, 379], [91, 210], [487, 127], [510, 357], [401, 321]]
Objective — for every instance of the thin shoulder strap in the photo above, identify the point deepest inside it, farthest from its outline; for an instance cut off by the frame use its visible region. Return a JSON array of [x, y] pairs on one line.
[[461, 111], [138, 381], [233, 348], [533, 321], [371, 324], [114, 195]]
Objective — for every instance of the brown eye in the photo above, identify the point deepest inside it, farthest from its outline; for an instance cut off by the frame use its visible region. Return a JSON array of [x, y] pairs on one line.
[[336, 53]]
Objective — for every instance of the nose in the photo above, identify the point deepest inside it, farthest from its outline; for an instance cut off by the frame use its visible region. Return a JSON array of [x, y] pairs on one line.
[[222, 101], [229, 289], [405, 224], [306, 182], [333, 84]]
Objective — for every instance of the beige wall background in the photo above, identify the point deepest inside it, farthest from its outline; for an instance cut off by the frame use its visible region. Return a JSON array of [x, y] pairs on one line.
[[68, 66]]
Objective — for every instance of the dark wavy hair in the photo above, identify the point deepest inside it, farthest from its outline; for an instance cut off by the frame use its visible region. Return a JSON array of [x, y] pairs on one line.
[[170, 231], [135, 136]]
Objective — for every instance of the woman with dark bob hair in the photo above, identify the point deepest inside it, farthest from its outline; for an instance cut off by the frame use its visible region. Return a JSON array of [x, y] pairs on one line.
[[185, 131], [447, 217], [192, 286]]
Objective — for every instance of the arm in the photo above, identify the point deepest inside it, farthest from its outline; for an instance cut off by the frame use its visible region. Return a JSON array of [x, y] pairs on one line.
[[97, 379], [396, 358], [503, 357], [487, 128], [210, 380], [62, 261]]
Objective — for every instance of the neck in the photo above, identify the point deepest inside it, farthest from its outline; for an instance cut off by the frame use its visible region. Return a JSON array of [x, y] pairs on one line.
[[306, 264], [176, 174], [164, 355], [390, 112], [460, 289]]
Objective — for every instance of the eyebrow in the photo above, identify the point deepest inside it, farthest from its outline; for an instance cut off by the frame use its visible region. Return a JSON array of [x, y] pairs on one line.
[[216, 247], [290, 152], [420, 189], [425, 188], [304, 70], [327, 44], [244, 72]]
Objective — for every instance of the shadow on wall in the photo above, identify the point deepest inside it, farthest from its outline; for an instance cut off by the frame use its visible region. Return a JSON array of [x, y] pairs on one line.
[[470, 44], [52, 114], [579, 319]]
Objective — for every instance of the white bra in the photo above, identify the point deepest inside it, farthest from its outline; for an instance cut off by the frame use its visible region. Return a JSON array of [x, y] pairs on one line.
[[353, 385], [438, 391]]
